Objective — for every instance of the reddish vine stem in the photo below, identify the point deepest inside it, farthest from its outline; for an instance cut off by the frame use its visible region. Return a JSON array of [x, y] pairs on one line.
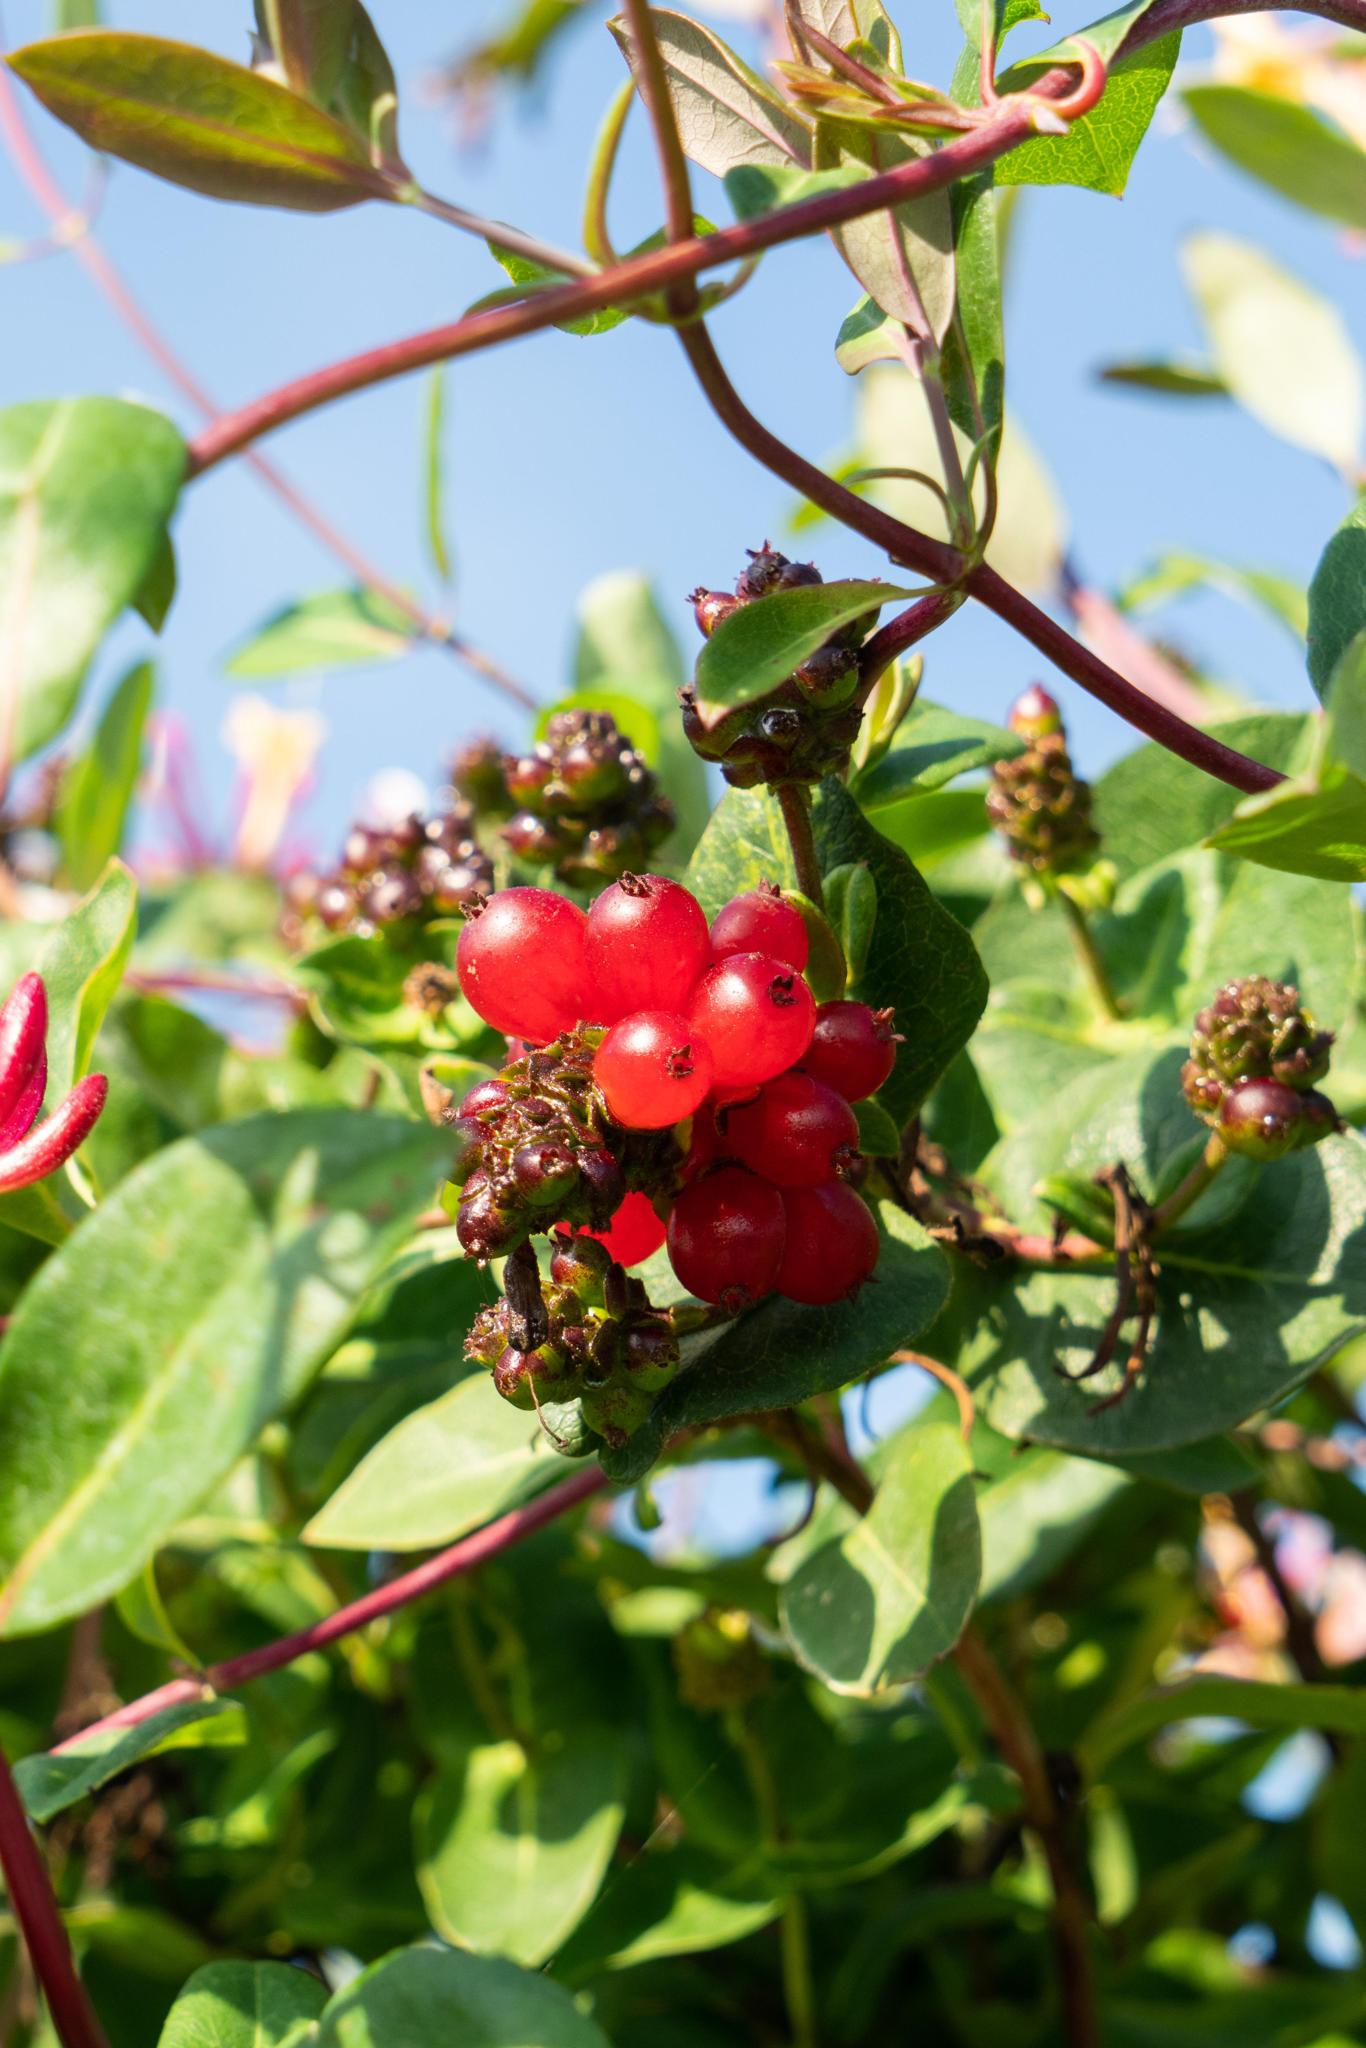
[[35, 1908], [109, 281], [461, 1557]]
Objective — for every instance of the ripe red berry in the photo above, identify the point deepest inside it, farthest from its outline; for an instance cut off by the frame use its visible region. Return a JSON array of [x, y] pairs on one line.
[[653, 1070], [798, 1132], [761, 922], [757, 1016], [645, 946], [853, 1049], [633, 1233], [520, 962], [832, 1244], [726, 1236]]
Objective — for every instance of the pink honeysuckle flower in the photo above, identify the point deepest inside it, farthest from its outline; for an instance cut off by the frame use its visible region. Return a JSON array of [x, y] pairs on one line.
[[30, 1151]]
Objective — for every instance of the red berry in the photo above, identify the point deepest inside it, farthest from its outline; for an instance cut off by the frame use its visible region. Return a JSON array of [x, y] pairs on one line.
[[761, 922], [726, 1238], [704, 1145], [853, 1049], [646, 944], [490, 1094], [832, 1244], [757, 1016], [798, 1133], [653, 1070], [520, 961], [633, 1233]]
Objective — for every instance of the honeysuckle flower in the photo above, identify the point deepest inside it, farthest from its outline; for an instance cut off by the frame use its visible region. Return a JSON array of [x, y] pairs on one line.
[[1306, 65], [275, 752], [29, 1150]]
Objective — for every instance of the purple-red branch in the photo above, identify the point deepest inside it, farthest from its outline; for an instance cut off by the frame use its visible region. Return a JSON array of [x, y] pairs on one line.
[[35, 1908], [464, 1556]]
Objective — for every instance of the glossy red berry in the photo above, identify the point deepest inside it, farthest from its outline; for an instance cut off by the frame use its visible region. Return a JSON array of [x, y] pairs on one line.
[[760, 921], [520, 962], [646, 944], [832, 1244], [797, 1132], [653, 1070], [726, 1236], [633, 1233], [852, 1049], [756, 1014]]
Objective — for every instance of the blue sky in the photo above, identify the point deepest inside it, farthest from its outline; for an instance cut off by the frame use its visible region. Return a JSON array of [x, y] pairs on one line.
[[570, 457]]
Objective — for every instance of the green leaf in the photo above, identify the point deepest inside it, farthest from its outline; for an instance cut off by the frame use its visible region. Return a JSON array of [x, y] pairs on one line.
[[524, 270], [82, 963], [866, 336], [779, 1354], [1176, 572], [86, 488], [48, 1784], [246, 2005], [903, 257], [356, 989], [194, 1304], [157, 591], [1283, 350], [1287, 146], [424, 1996], [310, 40], [1341, 1708], [933, 746], [142, 1611], [626, 648], [1150, 805], [889, 1599], [434, 476], [98, 787], [1247, 1308], [75, 14], [726, 113], [1098, 150], [335, 629], [512, 1845], [1037, 1515], [1315, 823], [756, 189], [443, 1470], [1337, 598], [760, 644], [679, 1902], [1172, 379], [973, 363], [196, 120]]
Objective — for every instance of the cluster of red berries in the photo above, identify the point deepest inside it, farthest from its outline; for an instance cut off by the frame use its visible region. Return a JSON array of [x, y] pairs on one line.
[[715, 1036]]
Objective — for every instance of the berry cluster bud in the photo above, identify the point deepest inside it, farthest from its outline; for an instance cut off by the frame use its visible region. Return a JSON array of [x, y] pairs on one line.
[[1255, 1057], [804, 728], [394, 877], [601, 1342], [1038, 802], [683, 1070], [585, 803], [536, 1149]]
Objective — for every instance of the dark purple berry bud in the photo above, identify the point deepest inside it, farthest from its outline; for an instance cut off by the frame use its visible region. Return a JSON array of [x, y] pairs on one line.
[[478, 775], [545, 1173], [467, 1137], [336, 905], [527, 778], [1262, 1119], [710, 607], [485, 1231], [485, 1096], [366, 847], [829, 677], [391, 894]]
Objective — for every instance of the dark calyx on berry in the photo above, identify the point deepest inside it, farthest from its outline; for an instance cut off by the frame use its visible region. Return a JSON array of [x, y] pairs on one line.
[[804, 728], [1038, 802]]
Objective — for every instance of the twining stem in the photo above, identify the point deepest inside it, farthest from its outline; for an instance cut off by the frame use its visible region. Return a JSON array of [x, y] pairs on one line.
[[1089, 954], [546, 254], [794, 800], [35, 1908], [1014, 1736], [1188, 1192], [117, 294], [464, 1556]]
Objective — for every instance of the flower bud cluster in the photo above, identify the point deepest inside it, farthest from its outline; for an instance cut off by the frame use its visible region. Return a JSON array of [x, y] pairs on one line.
[[1255, 1056], [394, 877], [804, 728], [584, 802], [602, 1342], [1038, 802]]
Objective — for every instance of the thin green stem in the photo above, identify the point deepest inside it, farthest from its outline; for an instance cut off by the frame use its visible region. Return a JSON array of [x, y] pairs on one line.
[[799, 1984], [499, 232], [794, 800], [1189, 1191], [597, 236], [1088, 952]]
